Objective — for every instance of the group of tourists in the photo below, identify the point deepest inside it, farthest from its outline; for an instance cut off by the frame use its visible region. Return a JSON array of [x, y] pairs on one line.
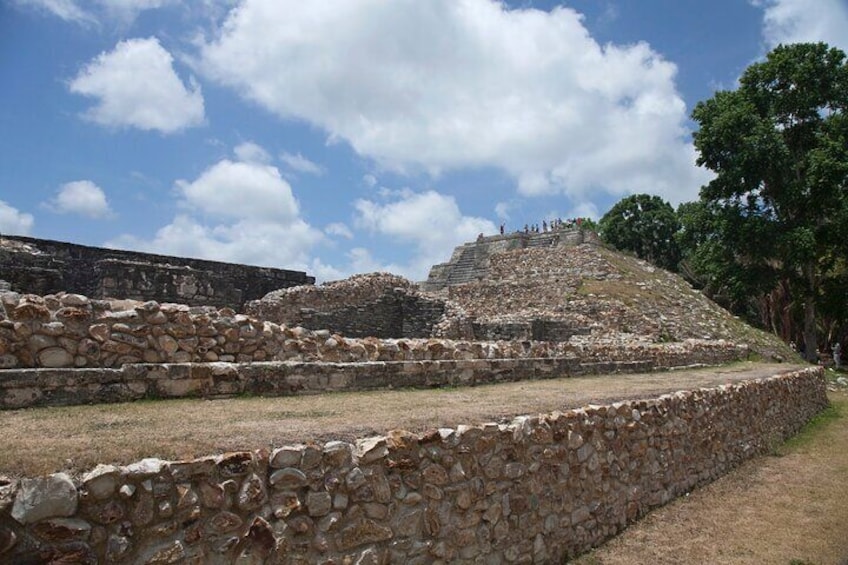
[[555, 225]]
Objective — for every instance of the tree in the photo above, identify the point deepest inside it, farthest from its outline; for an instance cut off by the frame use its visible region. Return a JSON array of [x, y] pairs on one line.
[[779, 147], [646, 226]]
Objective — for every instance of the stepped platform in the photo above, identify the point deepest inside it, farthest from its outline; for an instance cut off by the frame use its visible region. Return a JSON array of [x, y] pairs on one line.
[[470, 261]]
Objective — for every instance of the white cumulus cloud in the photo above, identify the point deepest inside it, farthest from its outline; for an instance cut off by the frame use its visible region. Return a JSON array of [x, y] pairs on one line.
[[237, 211], [81, 197], [13, 221], [240, 189], [448, 84], [796, 21], [135, 85], [431, 221]]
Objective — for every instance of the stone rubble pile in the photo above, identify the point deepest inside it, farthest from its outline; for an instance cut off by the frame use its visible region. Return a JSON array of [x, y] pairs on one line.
[[373, 304], [601, 293], [286, 304], [540, 489]]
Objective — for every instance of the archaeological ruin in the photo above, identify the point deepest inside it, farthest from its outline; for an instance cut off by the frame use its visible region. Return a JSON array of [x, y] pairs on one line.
[[41, 266], [540, 488]]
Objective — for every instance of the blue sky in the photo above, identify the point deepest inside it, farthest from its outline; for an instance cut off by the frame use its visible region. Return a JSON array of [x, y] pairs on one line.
[[358, 135]]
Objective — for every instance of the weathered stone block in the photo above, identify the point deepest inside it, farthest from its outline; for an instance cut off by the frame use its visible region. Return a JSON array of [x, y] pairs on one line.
[[53, 496]]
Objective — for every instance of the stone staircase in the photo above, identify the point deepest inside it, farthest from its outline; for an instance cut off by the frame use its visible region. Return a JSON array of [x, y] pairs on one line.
[[470, 261], [465, 270]]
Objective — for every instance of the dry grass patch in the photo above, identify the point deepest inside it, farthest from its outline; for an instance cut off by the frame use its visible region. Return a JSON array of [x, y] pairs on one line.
[[76, 438], [787, 508]]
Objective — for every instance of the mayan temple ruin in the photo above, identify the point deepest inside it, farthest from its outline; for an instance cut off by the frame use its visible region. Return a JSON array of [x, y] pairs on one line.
[[504, 308]]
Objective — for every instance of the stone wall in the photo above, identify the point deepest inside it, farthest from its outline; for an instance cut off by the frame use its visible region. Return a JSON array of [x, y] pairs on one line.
[[167, 350], [369, 305], [541, 489], [43, 267], [539, 330], [70, 330], [27, 388]]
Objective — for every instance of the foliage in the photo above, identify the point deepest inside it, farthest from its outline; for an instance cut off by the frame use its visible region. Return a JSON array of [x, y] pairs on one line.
[[589, 224], [775, 215], [646, 226]]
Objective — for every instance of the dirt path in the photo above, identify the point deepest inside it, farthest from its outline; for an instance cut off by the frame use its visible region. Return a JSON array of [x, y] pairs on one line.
[[76, 438], [789, 508]]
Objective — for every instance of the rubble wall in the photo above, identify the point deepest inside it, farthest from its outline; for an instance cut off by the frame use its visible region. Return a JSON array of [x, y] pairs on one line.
[[40, 266], [70, 330], [541, 489], [370, 305], [152, 350], [28, 388]]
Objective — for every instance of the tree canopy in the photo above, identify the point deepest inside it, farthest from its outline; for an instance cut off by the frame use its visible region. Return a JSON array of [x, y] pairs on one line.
[[776, 214], [644, 225]]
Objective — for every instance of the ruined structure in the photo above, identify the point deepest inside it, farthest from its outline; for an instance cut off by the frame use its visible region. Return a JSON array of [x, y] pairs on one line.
[[157, 350], [470, 261], [540, 488], [562, 286], [377, 305], [38, 266]]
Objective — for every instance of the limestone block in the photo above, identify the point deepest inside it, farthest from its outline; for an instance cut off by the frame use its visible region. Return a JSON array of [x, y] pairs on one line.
[[74, 300], [252, 493], [53, 496], [288, 479], [371, 449], [287, 456], [54, 357], [102, 482], [338, 454], [54, 329], [38, 341], [168, 344], [319, 503], [28, 310], [99, 332], [360, 533], [145, 468]]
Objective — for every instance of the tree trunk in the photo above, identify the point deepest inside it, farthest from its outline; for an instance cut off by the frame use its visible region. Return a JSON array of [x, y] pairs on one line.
[[810, 341]]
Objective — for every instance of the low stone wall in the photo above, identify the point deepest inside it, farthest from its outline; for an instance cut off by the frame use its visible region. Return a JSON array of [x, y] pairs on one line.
[[26, 388], [540, 489], [69, 330]]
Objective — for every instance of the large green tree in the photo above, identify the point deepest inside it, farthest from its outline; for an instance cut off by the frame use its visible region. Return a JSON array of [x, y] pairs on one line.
[[779, 147], [644, 225]]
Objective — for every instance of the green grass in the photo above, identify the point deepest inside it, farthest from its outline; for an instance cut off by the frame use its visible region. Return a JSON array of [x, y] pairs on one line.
[[836, 411]]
